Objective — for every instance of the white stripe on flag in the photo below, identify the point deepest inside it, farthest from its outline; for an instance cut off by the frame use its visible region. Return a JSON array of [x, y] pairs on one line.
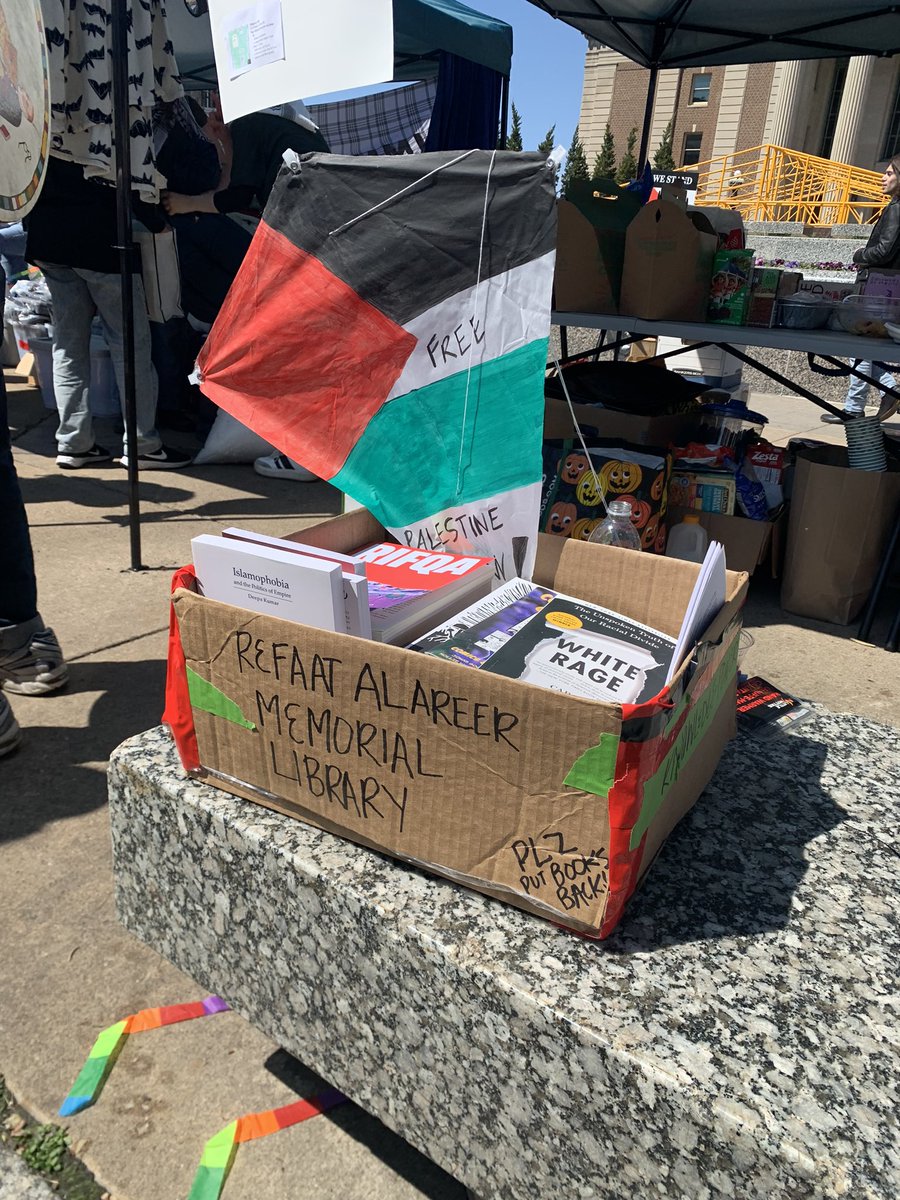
[[510, 311]]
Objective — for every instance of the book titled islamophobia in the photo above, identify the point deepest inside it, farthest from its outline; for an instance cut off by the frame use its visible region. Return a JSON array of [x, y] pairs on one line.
[[584, 650]]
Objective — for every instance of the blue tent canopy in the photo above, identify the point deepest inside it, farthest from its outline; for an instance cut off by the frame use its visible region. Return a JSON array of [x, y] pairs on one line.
[[422, 30]]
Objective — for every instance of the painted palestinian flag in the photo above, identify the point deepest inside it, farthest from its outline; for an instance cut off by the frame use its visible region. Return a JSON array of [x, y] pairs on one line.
[[388, 330]]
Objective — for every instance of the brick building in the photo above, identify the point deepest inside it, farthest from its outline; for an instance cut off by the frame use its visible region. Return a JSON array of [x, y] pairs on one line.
[[844, 109]]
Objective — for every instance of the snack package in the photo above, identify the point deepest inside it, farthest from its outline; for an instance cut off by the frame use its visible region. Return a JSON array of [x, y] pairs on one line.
[[767, 462], [571, 503], [729, 296]]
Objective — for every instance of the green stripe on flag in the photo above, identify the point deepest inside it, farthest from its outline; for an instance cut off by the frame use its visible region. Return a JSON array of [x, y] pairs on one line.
[[208, 698], [504, 394]]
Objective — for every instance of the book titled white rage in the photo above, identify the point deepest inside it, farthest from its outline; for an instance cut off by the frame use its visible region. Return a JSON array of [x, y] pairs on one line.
[[266, 580]]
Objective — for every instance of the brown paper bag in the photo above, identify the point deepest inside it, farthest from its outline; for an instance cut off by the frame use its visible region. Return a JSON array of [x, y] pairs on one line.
[[839, 525], [590, 245], [668, 264]]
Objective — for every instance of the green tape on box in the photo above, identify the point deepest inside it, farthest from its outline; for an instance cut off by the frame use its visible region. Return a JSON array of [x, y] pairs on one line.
[[697, 723], [595, 770], [207, 697]]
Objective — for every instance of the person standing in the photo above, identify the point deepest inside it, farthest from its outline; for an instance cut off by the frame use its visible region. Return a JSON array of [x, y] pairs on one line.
[[71, 237], [881, 250]]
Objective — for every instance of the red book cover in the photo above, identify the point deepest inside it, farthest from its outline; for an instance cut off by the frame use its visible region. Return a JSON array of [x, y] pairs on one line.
[[411, 570]]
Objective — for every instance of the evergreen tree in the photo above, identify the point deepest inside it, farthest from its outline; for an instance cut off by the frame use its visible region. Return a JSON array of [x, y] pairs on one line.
[[576, 164], [627, 168], [514, 141], [663, 159], [546, 146], [605, 162]]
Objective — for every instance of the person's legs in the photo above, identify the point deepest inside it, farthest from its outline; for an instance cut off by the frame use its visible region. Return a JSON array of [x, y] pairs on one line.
[[888, 402], [31, 661], [73, 311], [12, 250], [18, 588], [106, 292], [855, 400]]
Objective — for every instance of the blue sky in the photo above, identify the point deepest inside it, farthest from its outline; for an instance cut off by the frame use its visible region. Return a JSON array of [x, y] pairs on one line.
[[547, 69]]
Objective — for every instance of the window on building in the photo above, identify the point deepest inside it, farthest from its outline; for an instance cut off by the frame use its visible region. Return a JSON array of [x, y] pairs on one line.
[[700, 85], [834, 107], [690, 152], [892, 136]]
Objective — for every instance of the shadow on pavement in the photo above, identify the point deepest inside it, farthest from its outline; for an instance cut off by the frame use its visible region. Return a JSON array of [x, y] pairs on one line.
[[431, 1181], [60, 771]]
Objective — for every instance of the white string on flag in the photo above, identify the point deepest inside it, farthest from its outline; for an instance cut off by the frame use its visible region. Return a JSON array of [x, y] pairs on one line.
[[462, 432], [383, 203], [599, 486]]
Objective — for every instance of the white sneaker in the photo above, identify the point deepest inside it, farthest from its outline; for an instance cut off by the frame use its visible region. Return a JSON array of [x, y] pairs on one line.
[[279, 466]]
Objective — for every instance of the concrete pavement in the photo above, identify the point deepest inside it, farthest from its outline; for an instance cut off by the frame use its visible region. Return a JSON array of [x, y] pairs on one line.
[[69, 970]]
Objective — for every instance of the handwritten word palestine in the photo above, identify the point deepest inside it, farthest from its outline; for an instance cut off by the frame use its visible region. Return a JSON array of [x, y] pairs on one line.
[[455, 527]]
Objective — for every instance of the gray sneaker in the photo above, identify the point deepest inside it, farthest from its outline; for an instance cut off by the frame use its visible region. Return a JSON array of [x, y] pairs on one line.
[[31, 661], [10, 733]]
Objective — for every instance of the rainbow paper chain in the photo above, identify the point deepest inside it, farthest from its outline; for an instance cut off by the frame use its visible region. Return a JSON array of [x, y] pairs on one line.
[[219, 1151], [105, 1050]]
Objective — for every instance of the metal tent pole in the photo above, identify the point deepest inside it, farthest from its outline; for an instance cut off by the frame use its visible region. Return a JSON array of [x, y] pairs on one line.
[[504, 112], [648, 118], [122, 139]]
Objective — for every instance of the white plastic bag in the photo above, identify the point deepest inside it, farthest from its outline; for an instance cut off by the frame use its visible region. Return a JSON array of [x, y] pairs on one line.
[[231, 442]]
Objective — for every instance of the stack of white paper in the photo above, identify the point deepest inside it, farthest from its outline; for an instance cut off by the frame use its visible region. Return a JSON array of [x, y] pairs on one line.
[[706, 600]]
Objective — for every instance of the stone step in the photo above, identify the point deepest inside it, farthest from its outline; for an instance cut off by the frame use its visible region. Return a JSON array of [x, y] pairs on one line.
[[806, 251]]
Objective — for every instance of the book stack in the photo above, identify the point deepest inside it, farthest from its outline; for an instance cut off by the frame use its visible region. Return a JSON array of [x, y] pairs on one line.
[[409, 590], [559, 642], [385, 591], [284, 579]]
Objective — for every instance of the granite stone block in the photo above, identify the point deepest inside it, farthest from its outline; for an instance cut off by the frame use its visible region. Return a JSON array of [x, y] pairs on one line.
[[736, 1037]]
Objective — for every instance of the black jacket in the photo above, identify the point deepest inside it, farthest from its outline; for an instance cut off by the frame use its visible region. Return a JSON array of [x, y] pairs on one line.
[[74, 221], [883, 247], [258, 142]]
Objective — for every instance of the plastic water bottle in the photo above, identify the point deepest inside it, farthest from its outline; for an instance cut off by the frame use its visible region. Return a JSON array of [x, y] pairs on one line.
[[688, 540], [617, 529]]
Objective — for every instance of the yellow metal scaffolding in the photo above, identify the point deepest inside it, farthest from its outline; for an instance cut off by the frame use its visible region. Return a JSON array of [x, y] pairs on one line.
[[771, 183]]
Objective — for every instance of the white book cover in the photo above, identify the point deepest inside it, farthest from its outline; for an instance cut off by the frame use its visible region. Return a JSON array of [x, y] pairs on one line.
[[357, 617], [266, 580], [347, 561]]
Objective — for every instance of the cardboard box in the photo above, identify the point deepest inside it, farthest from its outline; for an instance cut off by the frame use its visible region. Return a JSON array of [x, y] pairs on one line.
[[610, 423], [763, 294], [729, 296], [878, 281], [824, 290], [748, 544], [706, 364], [839, 526], [703, 491], [590, 247], [555, 804], [668, 264]]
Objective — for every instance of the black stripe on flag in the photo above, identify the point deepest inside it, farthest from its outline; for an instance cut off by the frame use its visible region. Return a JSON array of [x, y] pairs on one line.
[[423, 247]]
